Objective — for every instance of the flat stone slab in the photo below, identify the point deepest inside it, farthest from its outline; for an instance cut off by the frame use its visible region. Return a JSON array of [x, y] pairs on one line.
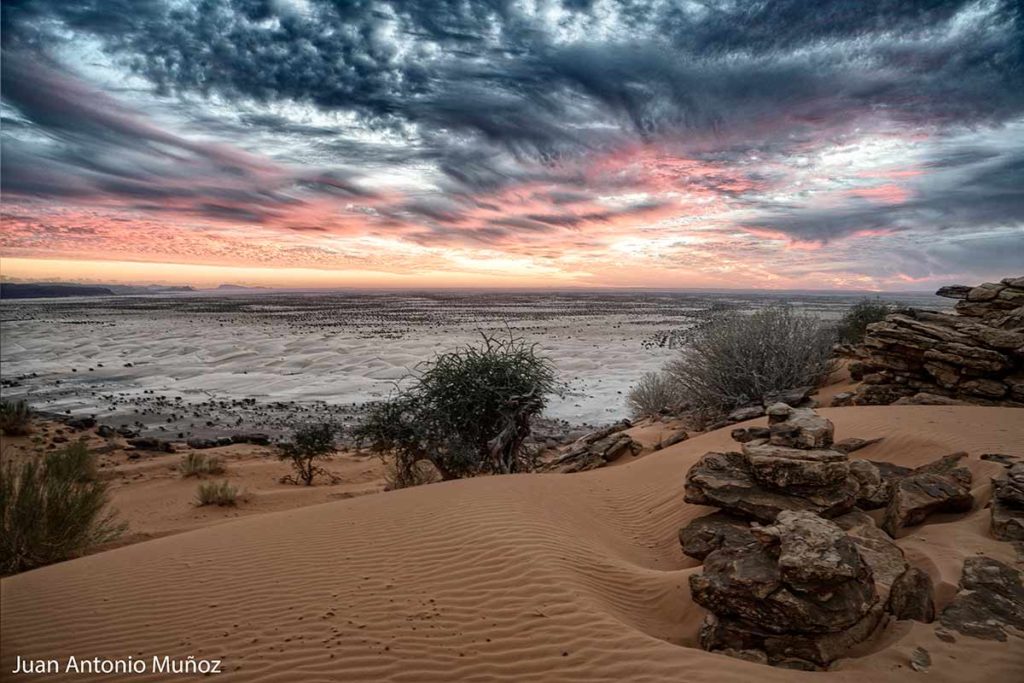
[[725, 480], [782, 467]]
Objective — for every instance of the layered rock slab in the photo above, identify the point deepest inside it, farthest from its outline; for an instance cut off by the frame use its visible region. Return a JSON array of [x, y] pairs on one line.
[[975, 355], [940, 486], [990, 600], [1007, 522], [802, 591], [726, 480]]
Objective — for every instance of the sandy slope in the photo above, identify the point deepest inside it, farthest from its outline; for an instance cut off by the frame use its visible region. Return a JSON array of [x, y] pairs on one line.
[[528, 577], [150, 494]]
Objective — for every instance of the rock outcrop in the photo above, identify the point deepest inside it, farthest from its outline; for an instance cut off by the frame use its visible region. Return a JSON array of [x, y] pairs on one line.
[[146, 443], [975, 355], [885, 558], [940, 486], [801, 592], [911, 596], [595, 450], [794, 469], [990, 600], [709, 533], [1008, 504]]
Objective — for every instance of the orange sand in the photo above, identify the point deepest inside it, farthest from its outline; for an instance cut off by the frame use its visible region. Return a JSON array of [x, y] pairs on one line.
[[543, 577]]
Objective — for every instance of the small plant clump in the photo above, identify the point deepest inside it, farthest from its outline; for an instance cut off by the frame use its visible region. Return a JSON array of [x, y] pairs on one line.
[[309, 445], [737, 359], [854, 324], [199, 465], [655, 393], [52, 508], [15, 418], [220, 493], [466, 412]]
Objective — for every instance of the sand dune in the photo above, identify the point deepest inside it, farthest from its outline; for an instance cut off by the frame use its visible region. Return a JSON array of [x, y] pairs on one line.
[[526, 577]]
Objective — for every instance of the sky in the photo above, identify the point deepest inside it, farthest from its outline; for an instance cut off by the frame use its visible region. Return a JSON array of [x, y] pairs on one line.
[[563, 143]]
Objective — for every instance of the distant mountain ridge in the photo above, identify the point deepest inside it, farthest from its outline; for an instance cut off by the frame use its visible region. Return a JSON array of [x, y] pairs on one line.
[[39, 290], [12, 290]]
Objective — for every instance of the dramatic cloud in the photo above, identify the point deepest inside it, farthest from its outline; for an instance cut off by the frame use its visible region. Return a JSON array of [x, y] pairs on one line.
[[607, 142]]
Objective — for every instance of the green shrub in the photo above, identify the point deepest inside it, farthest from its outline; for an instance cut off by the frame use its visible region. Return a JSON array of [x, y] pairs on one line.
[[308, 445], [854, 323], [467, 412], [220, 493], [738, 359], [15, 418], [52, 509], [199, 465], [656, 392]]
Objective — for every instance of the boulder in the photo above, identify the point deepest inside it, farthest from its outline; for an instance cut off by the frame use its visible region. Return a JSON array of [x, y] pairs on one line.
[[891, 471], [803, 651], [672, 439], [1007, 521], [148, 443], [725, 480], [792, 397], [748, 434], [81, 423], [595, 450], [910, 596], [814, 553], [954, 291], [919, 495], [615, 446], [990, 599], [876, 547], [939, 486], [802, 591], [744, 584], [746, 413], [782, 467], [873, 491], [778, 412], [709, 533], [802, 428], [255, 438]]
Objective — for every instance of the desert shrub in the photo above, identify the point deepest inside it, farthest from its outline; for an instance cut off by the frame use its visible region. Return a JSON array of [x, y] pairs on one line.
[[738, 359], [398, 477], [308, 445], [52, 509], [854, 323], [15, 418], [198, 465], [220, 493], [656, 392], [466, 412]]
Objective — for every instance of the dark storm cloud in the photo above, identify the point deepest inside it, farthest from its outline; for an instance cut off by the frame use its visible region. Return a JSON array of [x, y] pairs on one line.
[[713, 68], [491, 96], [975, 189]]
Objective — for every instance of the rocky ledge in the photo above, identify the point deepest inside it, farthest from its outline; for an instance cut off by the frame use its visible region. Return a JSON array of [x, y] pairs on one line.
[[974, 355], [794, 573]]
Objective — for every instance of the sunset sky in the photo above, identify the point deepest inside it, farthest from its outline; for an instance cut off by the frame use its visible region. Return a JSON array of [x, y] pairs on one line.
[[863, 145]]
